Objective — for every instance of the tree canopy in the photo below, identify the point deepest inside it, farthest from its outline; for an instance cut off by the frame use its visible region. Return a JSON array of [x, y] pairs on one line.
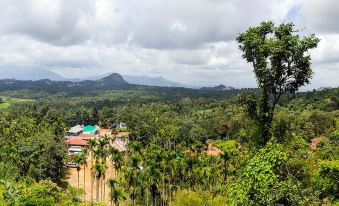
[[281, 64]]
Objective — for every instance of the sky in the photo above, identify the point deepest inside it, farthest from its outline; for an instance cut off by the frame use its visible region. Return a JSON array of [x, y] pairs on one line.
[[188, 41]]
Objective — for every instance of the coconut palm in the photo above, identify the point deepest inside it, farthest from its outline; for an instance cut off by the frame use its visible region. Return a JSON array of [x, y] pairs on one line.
[[91, 146]]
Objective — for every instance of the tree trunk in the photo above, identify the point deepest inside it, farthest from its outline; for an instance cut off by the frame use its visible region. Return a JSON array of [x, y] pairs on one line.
[[92, 180], [78, 178], [98, 188], [104, 196], [84, 183], [264, 117]]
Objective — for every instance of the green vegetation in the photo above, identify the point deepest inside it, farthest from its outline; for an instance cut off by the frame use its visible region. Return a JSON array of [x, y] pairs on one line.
[[281, 65], [168, 161]]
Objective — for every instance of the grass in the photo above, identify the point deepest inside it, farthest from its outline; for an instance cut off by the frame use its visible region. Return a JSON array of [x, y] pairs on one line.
[[4, 105], [7, 101]]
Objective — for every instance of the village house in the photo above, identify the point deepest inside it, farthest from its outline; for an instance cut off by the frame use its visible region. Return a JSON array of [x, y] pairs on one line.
[[78, 136]]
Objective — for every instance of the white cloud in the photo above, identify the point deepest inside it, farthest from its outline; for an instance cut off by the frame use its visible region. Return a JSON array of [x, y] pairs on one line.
[[191, 41]]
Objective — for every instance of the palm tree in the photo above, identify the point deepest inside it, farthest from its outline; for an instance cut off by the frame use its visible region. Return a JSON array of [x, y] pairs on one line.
[[225, 158], [78, 160], [84, 154], [91, 146], [111, 183], [117, 195], [117, 160], [102, 150], [98, 171]]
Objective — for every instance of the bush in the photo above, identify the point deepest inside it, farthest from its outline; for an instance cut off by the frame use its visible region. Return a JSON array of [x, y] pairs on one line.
[[328, 179]]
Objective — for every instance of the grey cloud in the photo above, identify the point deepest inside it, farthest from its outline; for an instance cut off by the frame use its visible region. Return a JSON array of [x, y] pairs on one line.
[[192, 23], [59, 22], [164, 24], [191, 41], [321, 16]]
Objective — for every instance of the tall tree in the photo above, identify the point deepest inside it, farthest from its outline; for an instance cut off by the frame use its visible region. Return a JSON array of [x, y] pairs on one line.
[[281, 65], [78, 160], [98, 170], [91, 146], [83, 163]]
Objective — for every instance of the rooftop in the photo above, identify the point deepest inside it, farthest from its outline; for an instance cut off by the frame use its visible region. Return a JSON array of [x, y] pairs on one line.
[[76, 129], [78, 142]]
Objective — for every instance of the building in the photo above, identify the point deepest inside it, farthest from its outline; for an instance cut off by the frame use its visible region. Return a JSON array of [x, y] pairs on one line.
[[75, 150], [75, 131], [77, 142], [121, 125]]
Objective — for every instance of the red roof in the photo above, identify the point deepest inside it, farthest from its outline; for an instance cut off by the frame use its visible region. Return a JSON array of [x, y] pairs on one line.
[[78, 142], [82, 135]]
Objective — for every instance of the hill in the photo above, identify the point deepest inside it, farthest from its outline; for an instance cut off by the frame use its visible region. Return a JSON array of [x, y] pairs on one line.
[[220, 87], [109, 82], [152, 81], [29, 73]]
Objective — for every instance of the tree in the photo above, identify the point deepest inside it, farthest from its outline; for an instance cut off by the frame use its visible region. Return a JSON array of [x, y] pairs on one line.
[[92, 144], [83, 163], [98, 170], [79, 160], [116, 193], [112, 183], [281, 64]]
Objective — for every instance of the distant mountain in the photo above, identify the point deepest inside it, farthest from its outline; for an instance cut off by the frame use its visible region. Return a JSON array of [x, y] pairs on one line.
[[112, 80], [220, 87], [152, 81], [109, 82], [323, 88], [29, 73], [145, 80]]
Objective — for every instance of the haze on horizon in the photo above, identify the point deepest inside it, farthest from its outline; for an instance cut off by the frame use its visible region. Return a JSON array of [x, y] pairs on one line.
[[191, 41]]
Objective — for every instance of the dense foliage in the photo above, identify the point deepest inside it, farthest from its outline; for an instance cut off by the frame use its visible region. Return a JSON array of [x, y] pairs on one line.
[[169, 140], [281, 64]]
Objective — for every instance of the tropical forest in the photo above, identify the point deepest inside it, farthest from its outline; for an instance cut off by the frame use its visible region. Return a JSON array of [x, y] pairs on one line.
[[107, 141]]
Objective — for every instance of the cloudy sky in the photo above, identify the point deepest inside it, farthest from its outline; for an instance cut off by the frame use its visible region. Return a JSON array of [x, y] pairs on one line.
[[189, 41]]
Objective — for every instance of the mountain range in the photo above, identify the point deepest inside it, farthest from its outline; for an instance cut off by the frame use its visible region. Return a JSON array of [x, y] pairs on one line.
[[38, 73], [111, 81], [42, 75], [29, 73]]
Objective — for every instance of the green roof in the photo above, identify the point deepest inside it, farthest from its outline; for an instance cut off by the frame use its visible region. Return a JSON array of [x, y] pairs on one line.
[[89, 129]]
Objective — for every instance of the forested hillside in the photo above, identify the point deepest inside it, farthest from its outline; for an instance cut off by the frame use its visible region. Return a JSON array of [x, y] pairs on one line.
[[169, 140]]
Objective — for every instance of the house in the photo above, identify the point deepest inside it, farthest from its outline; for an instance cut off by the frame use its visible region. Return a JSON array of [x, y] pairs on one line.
[[120, 141], [75, 150], [121, 125], [77, 142], [119, 144], [75, 131], [84, 136]]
